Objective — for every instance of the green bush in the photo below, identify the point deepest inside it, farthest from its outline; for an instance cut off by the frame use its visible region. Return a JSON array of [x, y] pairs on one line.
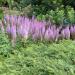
[[1, 14], [0, 2], [71, 15], [4, 44], [10, 3], [21, 4], [58, 17], [40, 59]]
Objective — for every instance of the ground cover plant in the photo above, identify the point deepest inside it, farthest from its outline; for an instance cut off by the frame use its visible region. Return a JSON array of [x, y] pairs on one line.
[[37, 58]]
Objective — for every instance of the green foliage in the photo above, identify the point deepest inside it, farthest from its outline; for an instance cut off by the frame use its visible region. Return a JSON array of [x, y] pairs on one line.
[[58, 17], [71, 15], [21, 4], [42, 6], [59, 11], [37, 58], [24, 3], [1, 14], [0, 2], [4, 44], [10, 3], [41, 17]]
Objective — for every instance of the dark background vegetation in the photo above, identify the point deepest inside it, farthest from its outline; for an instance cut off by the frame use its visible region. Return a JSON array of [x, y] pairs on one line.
[[58, 11]]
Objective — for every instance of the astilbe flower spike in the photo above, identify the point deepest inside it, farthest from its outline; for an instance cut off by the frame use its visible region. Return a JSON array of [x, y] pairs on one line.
[[67, 33], [72, 31], [13, 30], [49, 36], [24, 28]]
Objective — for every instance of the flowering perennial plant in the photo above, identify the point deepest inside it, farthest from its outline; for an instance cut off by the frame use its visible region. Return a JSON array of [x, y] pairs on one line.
[[20, 26]]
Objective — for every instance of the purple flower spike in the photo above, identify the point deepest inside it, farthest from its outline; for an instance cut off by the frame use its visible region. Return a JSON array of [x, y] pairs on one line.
[[21, 26], [72, 32], [65, 33], [49, 36]]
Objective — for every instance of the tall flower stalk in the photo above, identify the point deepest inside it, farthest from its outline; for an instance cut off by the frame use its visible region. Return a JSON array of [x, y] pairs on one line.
[[24, 28]]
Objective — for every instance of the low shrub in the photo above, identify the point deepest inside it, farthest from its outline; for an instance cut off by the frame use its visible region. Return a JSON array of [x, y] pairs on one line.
[[4, 45], [40, 59]]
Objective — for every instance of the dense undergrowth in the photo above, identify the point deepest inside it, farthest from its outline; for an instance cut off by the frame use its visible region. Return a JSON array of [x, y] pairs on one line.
[[37, 58]]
